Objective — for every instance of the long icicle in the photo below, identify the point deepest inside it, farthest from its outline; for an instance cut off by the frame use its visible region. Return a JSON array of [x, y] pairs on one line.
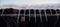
[[4, 19], [35, 15], [24, 13], [57, 19], [40, 15], [46, 16], [18, 17], [29, 14]]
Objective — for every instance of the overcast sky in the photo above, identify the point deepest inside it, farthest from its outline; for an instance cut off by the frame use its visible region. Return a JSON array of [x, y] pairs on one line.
[[29, 2]]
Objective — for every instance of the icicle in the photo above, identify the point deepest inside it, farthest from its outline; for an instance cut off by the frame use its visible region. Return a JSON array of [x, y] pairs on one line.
[[24, 13], [57, 19], [35, 15], [46, 16], [51, 12], [57, 15], [4, 19], [2, 11], [18, 17], [29, 14], [40, 15]]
